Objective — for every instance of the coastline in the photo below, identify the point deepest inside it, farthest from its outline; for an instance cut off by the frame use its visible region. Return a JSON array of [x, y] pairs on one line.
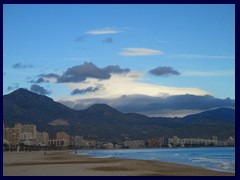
[[61, 163]]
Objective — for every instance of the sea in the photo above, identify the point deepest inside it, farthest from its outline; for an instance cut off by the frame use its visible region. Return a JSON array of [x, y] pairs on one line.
[[213, 158]]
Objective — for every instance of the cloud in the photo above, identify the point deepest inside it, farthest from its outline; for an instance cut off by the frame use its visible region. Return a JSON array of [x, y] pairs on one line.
[[80, 39], [22, 66], [171, 106], [129, 84], [163, 71], [13, 87], [87, 90], [139, 52], [81, 72], [39, 80], [103, 31], [127, 91], [107, 40], [50, 75], [115, 69], [195, 56], [39, 89], [89, 70]]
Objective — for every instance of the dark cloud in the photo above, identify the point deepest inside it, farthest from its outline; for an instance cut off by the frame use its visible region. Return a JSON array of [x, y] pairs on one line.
[[42, 77], [39, 89], [87, 90], [22, 66], [177, 102], [81, 72], [178, 105], [108, 40], [163, 71], [50, 75], [115, 69], [39, 80], [80, 39], [89, 70], [13, 87]]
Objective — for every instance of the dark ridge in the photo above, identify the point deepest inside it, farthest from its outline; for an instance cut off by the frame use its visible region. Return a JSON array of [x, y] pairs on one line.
[[103, 122]]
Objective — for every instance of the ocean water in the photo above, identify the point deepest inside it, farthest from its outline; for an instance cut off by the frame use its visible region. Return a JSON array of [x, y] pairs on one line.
[[214, 158]]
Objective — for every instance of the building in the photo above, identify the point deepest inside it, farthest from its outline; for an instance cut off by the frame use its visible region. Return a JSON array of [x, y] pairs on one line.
[[215, 140], [78, 141], [42, 138], [28, 132], [56, 143], [64, 137], [11, 136], [230, 141], [45, 138], [174, 142], [134, 144]]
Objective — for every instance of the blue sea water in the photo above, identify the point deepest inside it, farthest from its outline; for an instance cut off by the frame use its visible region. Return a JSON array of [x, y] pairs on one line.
[[214, 158]]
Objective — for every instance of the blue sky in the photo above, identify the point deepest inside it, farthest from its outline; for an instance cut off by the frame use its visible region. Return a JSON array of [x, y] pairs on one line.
[[197, 41]]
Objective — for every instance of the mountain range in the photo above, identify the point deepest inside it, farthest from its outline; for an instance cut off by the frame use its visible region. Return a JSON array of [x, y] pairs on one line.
[[103, 122]]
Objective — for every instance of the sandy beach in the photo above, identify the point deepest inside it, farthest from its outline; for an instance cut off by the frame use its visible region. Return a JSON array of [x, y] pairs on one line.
[[58, 163]]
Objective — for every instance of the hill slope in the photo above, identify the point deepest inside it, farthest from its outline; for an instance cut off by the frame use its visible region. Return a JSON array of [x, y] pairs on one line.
[[216, 116]]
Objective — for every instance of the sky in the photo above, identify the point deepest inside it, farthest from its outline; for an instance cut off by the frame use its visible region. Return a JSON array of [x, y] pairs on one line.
[[85, 54]]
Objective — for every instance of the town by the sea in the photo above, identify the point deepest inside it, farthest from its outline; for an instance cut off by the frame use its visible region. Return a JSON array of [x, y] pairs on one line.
[[213, 158]]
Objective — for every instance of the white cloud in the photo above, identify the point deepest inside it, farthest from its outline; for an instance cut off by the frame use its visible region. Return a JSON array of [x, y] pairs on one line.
[[171, 113], [139, 52], [203, 56], [207, 73], [119, 85], [103, 31]]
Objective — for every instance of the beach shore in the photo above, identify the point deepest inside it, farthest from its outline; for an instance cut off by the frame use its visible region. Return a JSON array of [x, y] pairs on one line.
[[59, 163]]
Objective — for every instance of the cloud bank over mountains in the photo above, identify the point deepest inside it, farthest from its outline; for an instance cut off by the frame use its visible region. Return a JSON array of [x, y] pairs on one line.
[[171, 106]]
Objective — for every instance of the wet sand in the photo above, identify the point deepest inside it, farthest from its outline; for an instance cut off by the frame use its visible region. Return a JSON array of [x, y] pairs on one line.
[[58, 163]]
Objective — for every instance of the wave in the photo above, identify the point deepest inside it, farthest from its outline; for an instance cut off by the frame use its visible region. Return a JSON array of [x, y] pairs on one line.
[[100, 157], [177, 154], [222, 159], [214, 164]]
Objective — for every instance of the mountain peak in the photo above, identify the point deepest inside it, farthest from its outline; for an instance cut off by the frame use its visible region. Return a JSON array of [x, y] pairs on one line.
[[21, 90], [103, 106], [29, 107], [25, 98], [103, 109], [22, 94]]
